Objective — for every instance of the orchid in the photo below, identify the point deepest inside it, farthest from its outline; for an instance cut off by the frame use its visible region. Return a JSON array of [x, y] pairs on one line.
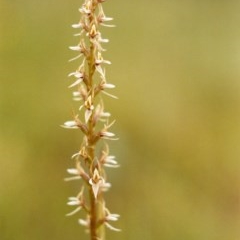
[[89, 83]]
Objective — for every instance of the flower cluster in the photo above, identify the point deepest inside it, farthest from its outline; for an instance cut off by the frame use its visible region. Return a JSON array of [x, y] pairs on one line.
[[89, 82]]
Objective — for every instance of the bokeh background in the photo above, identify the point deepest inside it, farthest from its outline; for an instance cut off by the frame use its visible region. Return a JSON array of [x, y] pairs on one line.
[[176, 65]]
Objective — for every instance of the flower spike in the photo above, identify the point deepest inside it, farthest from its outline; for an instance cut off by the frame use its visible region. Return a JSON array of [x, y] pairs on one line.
[[88, 85]]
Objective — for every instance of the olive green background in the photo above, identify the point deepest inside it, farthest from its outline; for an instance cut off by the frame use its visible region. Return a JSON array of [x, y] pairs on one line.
[[176, 65]]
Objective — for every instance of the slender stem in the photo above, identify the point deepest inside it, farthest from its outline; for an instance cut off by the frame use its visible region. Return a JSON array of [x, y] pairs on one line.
[[93, 219], [91, 148]]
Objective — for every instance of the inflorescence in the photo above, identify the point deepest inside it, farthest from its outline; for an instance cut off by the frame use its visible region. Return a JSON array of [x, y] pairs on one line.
[[89, 83]]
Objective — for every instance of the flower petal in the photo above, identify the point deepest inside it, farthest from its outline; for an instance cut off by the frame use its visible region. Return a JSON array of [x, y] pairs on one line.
[[73, 171], [74, 211], [88, 114], [111, 227], [72, 178], [75, 83], [77, 25], [75, 48]]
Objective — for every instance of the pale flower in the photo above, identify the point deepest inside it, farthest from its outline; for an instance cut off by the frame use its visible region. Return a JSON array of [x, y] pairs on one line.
[[96, 181], [89, 108], [77, 25], [111, 227], [110, 217], [70, 125], [78, 81], [75, 48], [75, 172], [76, 201], [110, 161], [86, 8], [73, 201], [102, 18], [100, 59]]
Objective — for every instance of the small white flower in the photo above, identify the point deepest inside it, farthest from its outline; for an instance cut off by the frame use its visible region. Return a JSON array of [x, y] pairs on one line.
[[111, 162], [76, 74], [100, 39], [76, 94], [72, 178], [105, 186], [105, 114], [102, 18], [75, 48], [111, 227], [111, 166], [108, 85], [100, 70], [74, 211], [78, 34], [86, 8], [78, 81], [73, 201], [73, 171], [77, 25], [96, 181], [112, 217], [72, 59], [83, 222], [110, 95], [100, 115], [107, 134], [88, 114], [103, 40], [107, 25], [111, 159], [76, 201], [106, 19], [100, 60], [70, 125], [75, 155], [77, 99]]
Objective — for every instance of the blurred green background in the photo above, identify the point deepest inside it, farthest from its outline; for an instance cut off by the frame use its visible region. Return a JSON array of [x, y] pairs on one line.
[[176, 65]]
